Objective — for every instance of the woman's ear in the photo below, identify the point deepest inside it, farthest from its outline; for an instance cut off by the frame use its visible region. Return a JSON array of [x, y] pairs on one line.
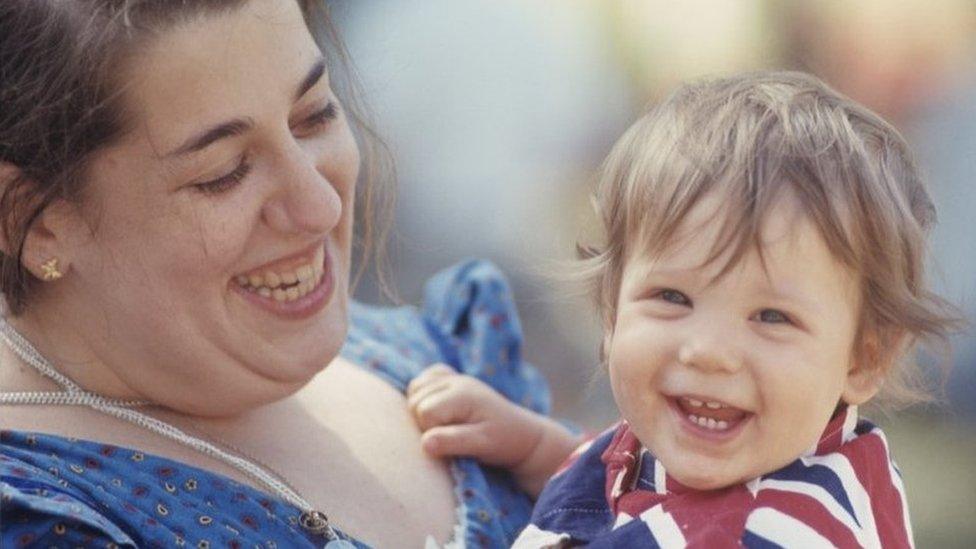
[[871, 364], [46, 249]]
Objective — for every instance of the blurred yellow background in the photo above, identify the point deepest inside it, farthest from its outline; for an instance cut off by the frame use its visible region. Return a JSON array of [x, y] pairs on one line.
[[499, 112]]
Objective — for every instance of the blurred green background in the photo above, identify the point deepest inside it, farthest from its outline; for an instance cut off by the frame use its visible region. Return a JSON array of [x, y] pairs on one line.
[[498, 113]]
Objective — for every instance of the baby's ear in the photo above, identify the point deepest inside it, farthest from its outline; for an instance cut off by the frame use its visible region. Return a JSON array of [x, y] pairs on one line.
[[871, 364]]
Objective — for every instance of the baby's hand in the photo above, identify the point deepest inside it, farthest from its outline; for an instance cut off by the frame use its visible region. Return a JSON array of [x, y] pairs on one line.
[[462, 416]]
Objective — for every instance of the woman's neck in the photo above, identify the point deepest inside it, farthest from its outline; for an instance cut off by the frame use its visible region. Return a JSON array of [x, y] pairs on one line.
[[67, 351]]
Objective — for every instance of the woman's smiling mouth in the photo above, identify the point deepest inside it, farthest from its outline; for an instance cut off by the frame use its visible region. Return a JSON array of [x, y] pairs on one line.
[[288, 284], [295, 288]]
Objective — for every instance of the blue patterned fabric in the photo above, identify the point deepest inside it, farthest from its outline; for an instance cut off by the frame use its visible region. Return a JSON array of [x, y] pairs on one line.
[[64, 492]]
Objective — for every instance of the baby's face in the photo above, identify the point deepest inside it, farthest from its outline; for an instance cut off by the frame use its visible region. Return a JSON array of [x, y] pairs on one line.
[[729, 379]]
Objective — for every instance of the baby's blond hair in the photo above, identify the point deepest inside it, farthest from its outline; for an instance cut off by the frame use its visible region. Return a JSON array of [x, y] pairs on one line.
[[751, 137]]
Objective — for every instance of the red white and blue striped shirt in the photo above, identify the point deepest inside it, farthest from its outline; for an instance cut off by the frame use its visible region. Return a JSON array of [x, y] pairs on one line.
[[844, 492]]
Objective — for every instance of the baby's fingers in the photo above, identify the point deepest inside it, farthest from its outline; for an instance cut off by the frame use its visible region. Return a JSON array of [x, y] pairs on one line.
[[421, 393], [439, 406], [456, 440], [432, 374]]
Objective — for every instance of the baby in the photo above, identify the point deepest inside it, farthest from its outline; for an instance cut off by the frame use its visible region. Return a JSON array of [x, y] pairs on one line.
[[761, 277]]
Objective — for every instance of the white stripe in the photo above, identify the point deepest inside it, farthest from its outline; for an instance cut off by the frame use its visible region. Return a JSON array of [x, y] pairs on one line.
[[783, 529], [850, 423], [753, 485], [859, 498], [618, 484], [532, 537], [899, 485], [660, 478], [622, 518], [820, 494], [663, 527]]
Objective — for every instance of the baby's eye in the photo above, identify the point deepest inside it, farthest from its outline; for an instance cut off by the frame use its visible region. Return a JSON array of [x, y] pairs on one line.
[[673, 296], [772, 316]]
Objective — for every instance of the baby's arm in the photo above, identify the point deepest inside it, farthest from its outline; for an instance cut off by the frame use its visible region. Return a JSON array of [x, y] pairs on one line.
[[462, 416]]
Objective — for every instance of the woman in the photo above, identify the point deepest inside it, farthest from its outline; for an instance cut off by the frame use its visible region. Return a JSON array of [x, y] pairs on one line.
[[178, 186]]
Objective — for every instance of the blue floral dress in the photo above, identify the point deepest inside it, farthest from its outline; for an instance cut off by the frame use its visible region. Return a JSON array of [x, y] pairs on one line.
[[65, 492]]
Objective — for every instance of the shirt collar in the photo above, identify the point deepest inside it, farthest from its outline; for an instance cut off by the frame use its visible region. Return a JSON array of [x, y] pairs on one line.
[[627, 461]]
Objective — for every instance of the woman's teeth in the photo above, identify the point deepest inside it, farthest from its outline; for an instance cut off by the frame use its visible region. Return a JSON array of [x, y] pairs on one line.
[[286, 285]]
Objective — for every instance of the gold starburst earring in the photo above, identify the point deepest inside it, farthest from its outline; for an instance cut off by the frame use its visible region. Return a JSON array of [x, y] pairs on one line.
[[51, 271]]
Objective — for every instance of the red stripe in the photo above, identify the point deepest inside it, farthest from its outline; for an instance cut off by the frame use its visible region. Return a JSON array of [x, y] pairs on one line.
[[833, 434], [637, 501], [714, 518], [871, 464], [808, 510], [620, 457]]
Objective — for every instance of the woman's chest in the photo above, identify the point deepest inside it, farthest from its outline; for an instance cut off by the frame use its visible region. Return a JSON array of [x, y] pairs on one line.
[[356, 453], [348, 444]]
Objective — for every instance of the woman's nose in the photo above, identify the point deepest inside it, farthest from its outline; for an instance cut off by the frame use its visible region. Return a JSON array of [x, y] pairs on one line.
[[710, 350], [304, 200]]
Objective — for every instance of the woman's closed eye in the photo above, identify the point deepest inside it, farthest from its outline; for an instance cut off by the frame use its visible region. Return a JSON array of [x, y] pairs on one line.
[[225, 182], [317, 119], [308, 126]]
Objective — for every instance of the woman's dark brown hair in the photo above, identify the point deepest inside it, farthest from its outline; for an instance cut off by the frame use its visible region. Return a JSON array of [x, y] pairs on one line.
[[60, 102]]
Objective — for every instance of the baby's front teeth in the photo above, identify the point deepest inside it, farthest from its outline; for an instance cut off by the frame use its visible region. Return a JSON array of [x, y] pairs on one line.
[[695, 403], [709, 423]]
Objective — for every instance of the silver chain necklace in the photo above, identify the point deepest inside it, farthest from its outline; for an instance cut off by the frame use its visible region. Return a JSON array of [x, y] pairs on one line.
[[311, 520]]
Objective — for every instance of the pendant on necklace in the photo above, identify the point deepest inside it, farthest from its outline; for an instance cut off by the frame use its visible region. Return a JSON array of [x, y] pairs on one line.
[[315, 522]]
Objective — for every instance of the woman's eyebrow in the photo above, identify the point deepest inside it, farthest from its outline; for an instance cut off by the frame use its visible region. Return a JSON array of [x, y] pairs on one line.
[[312, 78], [240, 125], [226, 129]]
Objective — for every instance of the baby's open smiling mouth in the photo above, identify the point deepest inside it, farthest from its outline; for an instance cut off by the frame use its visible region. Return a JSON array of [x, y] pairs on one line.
[[710, 415]]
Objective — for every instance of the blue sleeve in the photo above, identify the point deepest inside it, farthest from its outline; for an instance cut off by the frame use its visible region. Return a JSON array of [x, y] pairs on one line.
[[470, 313], [37, 511], [468, 320], [574, 501]]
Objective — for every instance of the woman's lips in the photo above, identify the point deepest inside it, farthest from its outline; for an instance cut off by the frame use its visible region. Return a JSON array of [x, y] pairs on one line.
[[293, 294]]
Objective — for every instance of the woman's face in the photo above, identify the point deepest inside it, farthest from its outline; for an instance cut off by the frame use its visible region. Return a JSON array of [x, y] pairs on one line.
[[213, 271]]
